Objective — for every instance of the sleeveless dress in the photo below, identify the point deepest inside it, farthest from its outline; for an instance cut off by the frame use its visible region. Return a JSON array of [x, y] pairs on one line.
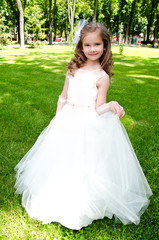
[[82, 166]]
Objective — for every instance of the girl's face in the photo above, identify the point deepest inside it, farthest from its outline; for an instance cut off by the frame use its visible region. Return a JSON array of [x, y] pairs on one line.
[[93, 46]]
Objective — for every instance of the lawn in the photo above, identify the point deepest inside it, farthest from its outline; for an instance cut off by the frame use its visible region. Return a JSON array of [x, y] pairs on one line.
[[31, 80]]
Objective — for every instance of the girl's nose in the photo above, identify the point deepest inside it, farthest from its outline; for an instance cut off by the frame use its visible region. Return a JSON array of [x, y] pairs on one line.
[[92, 48]]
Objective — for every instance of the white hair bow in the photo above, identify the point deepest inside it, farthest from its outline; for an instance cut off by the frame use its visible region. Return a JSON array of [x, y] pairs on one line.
[[81, 24]]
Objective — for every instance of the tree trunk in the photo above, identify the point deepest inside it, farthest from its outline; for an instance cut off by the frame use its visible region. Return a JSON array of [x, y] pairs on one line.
[[55, 27], [155, 41], [51, 19], [18, 32], [105, 22], [144, 36], [121, 21], [148, 31], [71, 14], [150, 20], [50, 22], [127, 34], [66, 29], [120, 31], [117, 29], [130, 21], [21, 23], [110, 29], [95, 11], [24, 4], [61, 31], [65, 33]]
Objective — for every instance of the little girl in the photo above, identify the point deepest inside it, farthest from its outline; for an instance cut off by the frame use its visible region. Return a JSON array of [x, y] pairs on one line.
[[82, 166]]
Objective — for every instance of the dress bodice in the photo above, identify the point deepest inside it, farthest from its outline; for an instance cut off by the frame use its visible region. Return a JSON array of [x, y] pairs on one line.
[[82, 90]]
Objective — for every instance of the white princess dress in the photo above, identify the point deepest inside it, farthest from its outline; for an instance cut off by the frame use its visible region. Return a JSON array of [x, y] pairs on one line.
[[82, 166]]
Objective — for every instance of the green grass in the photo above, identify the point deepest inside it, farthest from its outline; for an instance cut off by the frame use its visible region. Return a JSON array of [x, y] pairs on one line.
[[31, 80]]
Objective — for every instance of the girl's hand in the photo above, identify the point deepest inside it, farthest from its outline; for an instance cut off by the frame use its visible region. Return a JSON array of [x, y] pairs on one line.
[[117, 109]]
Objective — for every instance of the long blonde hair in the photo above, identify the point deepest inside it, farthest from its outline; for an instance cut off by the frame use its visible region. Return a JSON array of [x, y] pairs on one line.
[[79, 58]]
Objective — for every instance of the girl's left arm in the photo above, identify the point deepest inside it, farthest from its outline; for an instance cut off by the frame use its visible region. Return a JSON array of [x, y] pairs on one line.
[[101, 105], [63, 97], [103, 87]]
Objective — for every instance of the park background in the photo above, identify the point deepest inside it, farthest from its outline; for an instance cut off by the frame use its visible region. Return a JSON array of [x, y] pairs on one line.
[[32, 77], [35, 21]]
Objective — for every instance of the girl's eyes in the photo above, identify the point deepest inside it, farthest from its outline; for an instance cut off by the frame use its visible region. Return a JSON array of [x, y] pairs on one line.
[[97, 44]]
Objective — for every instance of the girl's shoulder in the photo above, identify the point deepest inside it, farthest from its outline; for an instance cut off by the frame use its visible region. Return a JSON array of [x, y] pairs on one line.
[[84, 73], [99, 71]]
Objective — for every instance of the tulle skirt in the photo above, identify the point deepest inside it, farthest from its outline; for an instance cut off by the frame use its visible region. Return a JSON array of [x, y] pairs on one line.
[[81, 168]]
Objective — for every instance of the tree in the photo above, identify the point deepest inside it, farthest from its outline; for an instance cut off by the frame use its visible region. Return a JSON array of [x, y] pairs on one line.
[[150, 18], [51, 19], [34, 21], [4, 35], [71, 14], [156, 29], [108, 13], [122, 11], [61, 19], [129, 21], [21, 22], [95, 11], [121, 17], [149, 11]]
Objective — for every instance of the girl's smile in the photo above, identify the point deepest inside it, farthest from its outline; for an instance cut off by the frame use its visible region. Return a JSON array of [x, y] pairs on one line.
[[93, 54]]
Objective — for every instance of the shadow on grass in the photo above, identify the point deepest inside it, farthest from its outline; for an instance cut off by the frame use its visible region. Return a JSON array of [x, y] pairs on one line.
[[30, 85]]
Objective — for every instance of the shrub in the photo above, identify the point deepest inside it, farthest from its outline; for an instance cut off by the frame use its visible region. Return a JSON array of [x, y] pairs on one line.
[[38, 44], [121, 49]]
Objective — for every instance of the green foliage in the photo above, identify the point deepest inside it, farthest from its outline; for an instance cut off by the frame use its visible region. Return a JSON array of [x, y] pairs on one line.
[[70, 37], [37, 44], [34, 22], [121, 49], [86, 8], [4, 35], [30, 83], [148, 45], [61, 15], [110, 12]]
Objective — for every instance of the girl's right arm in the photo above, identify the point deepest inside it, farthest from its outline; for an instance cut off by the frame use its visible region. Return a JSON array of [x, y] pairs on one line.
[[63, 97]]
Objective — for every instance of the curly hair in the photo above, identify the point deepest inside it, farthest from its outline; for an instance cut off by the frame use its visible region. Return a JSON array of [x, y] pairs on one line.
[[79, 57]]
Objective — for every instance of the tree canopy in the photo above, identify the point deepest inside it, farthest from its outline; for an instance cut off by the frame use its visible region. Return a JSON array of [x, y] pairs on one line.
[[57, 18]]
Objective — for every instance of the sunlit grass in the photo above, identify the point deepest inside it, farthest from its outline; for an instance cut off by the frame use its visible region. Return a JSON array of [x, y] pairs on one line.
[[30, 82]]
